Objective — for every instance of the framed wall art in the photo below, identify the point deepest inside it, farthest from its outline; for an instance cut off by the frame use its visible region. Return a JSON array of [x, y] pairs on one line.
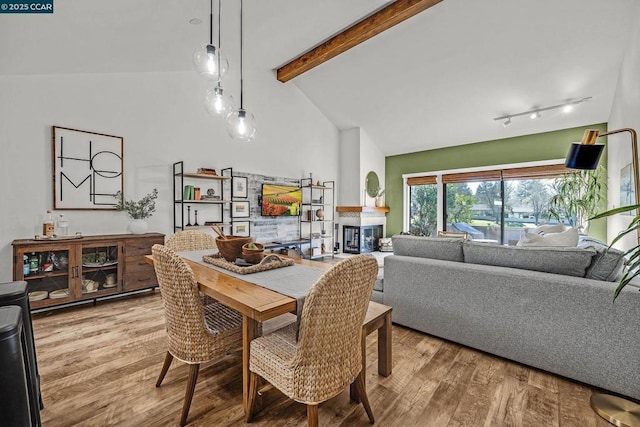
[[87, 169], [241, 228], [240, 189], [240, 209], [627, 188]]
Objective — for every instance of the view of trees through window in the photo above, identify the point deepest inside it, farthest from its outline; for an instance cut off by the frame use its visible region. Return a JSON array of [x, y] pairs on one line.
[[423, 210], [495, 211]]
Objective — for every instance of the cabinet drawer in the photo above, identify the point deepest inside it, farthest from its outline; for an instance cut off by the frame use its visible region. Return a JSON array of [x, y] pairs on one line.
[[136, 263], [140, 280], [141, 246]]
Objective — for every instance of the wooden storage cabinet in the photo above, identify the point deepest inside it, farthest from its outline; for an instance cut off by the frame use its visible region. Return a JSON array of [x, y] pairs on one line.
[[139, 274], [84, 269]]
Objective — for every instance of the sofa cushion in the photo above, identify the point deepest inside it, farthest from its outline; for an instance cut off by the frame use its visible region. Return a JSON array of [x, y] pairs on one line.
[[568, 238], [558, 260], [428, 247], [608, 263]]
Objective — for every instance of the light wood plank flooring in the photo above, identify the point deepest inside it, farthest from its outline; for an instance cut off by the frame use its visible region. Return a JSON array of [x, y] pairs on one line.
[[99, 365]]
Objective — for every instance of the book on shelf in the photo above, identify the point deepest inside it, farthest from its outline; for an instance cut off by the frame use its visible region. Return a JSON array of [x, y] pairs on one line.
[[207, 171], [188, 192]]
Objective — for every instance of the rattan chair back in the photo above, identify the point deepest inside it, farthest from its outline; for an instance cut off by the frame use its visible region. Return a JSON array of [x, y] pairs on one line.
[[329, 356], [191, 240], [190, 338]]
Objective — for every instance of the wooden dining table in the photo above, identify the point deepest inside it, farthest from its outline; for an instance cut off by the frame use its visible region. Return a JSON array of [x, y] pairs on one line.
[[258, 304]]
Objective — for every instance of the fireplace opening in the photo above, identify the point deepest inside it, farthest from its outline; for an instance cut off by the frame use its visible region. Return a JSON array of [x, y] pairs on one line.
[[359, 240]]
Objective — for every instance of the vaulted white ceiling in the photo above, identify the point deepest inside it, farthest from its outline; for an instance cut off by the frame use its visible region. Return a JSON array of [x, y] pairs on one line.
[[434, 80]]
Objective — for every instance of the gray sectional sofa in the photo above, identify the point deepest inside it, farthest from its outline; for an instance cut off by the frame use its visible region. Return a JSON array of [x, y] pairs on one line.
[[532, 305]]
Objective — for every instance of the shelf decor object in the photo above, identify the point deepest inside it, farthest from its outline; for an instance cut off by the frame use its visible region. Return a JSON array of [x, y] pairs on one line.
[[241, 124], [87, 169], [586, 155]]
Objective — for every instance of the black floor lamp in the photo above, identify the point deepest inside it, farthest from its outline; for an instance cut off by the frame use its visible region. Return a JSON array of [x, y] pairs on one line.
[[586, 155]]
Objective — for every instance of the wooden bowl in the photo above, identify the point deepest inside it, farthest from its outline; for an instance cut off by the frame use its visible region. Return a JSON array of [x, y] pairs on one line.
[[253, 256], [231, 247]]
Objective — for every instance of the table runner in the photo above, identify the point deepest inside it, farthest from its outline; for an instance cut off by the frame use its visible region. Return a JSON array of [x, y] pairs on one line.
[[294, 281]]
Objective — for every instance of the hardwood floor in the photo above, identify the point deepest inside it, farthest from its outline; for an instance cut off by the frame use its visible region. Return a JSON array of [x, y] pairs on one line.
[[99, 365]]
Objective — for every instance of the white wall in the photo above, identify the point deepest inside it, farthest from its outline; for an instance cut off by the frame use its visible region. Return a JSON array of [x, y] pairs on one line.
[[359, 155], [350, 192], [371, 159], [625, 113], [161, 118]]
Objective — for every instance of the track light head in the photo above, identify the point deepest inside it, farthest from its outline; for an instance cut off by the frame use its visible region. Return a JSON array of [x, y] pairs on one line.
[[535, 115], [507, 122]]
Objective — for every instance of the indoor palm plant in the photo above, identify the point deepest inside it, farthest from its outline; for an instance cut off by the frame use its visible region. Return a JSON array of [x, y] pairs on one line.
[[578, 197], [633, 254], [138, 211]]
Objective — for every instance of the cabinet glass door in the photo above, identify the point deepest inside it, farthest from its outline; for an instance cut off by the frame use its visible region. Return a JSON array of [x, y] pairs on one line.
[[48, 275], [100, 272]]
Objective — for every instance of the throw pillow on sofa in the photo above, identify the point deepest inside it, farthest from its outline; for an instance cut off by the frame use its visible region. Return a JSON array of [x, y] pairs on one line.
[[568, 238], [547, 228], [428, 247], [566, 261], [608, 264]]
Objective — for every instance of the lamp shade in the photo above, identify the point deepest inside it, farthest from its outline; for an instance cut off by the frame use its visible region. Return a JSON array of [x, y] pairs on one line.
[[583, 156], [241, 125], [217, 102], [209, 63]]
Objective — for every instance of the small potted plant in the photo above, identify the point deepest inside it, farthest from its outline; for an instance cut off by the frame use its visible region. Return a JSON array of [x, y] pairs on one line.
[[138, 211]]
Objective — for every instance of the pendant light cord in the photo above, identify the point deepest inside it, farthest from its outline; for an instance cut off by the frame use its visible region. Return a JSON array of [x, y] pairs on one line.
[[211, 24], [219, 44], [241, 75]]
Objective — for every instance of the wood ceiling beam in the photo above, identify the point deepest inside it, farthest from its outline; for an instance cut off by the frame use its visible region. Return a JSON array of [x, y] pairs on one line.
[[357, 33]]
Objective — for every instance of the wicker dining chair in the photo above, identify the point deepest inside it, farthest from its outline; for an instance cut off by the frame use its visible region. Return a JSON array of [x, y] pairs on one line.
[[196, 333], [191, 240], [328, 355]]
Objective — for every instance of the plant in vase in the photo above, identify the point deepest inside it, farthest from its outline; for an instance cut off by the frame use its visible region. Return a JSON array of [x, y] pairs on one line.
[[380, 198], [138, 211]]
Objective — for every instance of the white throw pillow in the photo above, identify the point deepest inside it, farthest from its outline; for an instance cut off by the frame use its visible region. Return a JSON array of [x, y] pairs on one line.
[[568, 238], [546, 229]]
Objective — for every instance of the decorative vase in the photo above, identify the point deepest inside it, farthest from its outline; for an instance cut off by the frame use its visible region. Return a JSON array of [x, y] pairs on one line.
[[380, 202], [138, 226]]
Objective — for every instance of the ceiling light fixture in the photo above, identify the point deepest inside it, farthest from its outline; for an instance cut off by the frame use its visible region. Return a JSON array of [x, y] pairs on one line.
[[208, 61], [535, 113], [241, 124], [217, 102]]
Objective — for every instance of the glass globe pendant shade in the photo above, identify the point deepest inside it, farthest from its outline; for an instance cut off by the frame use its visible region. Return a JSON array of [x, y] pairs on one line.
[[217, 102], [209, 63], [241, 125]]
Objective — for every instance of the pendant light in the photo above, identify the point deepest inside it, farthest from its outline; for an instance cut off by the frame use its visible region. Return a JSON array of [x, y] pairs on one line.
[[241, 124], [207, 59], [217, 102]]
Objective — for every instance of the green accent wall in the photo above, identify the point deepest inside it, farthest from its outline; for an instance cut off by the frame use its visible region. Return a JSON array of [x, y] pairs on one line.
[[521, 149]]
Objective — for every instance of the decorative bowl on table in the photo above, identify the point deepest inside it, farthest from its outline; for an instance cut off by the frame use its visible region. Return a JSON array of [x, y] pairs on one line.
[[231, 247], [253, 252]]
